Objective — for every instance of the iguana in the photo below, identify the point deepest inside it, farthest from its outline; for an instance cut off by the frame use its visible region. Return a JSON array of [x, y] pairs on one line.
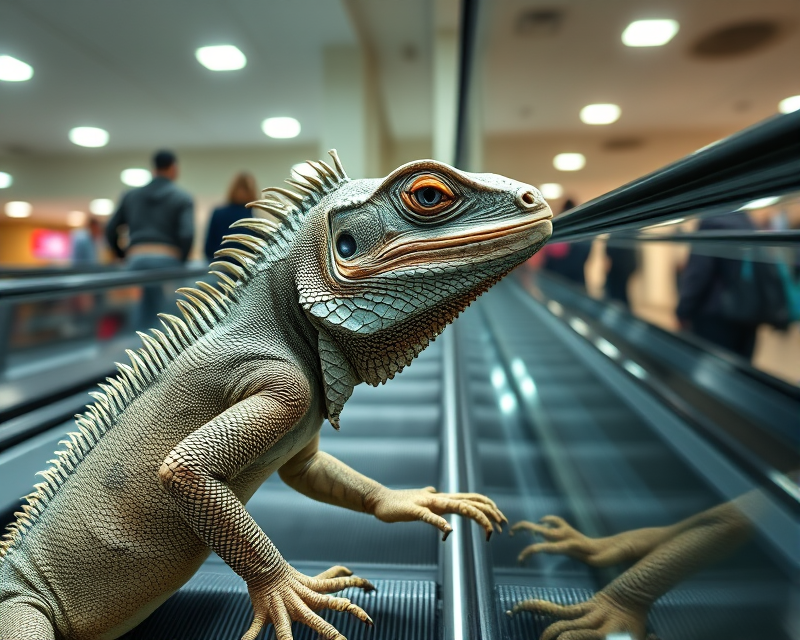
[[345, 281]]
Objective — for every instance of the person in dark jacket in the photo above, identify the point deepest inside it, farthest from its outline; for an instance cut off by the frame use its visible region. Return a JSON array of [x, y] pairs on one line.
[[160, 221], [241, 191], [705, 285], [568, 259], [623, 266]]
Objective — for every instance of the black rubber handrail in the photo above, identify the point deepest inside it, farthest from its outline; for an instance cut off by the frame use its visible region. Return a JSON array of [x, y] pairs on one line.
[[31, 289], [763, 160], [739, 239]]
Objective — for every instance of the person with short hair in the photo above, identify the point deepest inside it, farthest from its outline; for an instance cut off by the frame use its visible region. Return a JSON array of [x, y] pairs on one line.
[[241, 190], [160, 221]]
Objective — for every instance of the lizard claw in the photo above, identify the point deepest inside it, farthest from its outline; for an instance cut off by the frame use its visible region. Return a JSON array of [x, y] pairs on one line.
[[295, 597]]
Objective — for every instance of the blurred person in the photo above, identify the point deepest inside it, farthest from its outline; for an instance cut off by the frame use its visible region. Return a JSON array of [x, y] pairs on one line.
[[85, 243], [724, 300], [567, 259], [160, 221], [623, 266], [241, 190]]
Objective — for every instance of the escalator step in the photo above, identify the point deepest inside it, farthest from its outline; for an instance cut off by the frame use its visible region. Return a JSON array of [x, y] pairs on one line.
[[216, 606]]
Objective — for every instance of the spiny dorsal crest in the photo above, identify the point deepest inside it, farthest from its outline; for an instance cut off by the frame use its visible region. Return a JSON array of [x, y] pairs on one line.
[[202, 308]]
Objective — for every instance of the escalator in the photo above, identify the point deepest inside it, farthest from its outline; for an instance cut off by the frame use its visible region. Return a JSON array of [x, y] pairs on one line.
[[514, 402]]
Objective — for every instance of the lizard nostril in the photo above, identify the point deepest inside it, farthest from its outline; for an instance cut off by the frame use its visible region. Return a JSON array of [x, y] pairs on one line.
[[527, 199]]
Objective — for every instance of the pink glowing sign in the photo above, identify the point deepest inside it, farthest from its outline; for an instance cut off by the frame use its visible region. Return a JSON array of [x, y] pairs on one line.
[[50, 245]]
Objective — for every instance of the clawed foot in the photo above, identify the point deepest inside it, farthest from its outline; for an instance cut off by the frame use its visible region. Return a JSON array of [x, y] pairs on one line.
[[295, 597], [429, 506], [560, 538], [595, 619]]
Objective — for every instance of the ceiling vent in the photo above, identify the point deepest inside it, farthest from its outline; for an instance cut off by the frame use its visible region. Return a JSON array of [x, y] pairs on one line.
[[737, 39], [539, 22]]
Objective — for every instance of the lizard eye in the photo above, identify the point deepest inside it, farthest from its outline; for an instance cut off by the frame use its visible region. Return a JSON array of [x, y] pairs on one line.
[[427, 196], [345, 245]]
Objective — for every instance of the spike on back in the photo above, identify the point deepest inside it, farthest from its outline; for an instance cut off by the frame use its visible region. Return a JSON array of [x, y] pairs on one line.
[[202, 308]]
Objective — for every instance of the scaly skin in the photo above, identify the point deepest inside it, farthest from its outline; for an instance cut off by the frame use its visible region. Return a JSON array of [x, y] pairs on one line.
[[347, 282], [663, 557]]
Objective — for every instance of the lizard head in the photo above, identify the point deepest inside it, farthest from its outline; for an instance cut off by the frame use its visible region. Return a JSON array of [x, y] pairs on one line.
[[387, 264]]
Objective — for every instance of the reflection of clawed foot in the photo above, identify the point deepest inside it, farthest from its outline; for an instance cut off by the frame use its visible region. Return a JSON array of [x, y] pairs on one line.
[[561, 538], [594, 619], [296, 596]]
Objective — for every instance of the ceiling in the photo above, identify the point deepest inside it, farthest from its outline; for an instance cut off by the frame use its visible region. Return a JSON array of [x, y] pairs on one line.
[[539, 81], [129, 68]]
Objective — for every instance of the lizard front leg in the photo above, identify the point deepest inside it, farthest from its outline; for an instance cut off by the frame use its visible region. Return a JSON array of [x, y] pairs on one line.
[[197, 475], [322, 477]]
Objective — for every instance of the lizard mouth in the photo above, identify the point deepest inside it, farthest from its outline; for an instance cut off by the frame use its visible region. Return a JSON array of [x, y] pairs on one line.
[[402, 252]]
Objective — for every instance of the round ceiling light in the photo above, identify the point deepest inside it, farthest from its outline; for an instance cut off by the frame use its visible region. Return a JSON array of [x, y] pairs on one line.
[[569, 161], [135, 177], [649, 33], [102, 207], [223, 57], [790, 104], [18, 209], [600, 113], [5, 180], [13, 70], [281, 127], [76, 218], [88, 136], [551, 190]]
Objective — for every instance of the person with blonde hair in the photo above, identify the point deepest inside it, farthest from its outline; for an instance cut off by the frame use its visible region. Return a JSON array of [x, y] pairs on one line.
[[241, 190]]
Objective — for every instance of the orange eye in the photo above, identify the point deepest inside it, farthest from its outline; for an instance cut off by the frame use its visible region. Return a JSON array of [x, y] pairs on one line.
[[427, 196]]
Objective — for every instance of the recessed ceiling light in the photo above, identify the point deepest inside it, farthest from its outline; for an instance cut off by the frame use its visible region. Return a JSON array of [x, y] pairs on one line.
[[5, 180], [135, 177], [102, 207], [600, 113], [760, 203], [787, 105], [13, 70], [18, 209], [76, 218], [281, 127], [569, 161], [649, 33], [88, 136], [551, 190], [223, 57]]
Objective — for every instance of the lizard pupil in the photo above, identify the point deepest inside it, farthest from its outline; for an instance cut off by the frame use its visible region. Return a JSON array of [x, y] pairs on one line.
[[428, 196], [345, 245]]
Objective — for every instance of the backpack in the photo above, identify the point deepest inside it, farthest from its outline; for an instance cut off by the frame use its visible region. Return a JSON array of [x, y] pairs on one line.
[[758, 297]]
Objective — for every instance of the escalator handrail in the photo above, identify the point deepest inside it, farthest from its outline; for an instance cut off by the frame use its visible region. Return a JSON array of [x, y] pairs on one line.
[[762, 160], [31, 289]]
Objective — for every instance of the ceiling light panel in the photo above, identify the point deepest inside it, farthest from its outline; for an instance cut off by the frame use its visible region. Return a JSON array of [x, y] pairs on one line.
[[6, 180], [223, 57], [88, 137], [551, 190], [600, 113], [649, 33], [569, 161], [135, 177], [281, 127], [18, 209], [790, 104], [13, 70], [102, 206]]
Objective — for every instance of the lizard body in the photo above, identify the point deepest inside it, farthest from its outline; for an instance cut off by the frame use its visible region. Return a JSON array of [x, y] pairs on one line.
[[347, 282]]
